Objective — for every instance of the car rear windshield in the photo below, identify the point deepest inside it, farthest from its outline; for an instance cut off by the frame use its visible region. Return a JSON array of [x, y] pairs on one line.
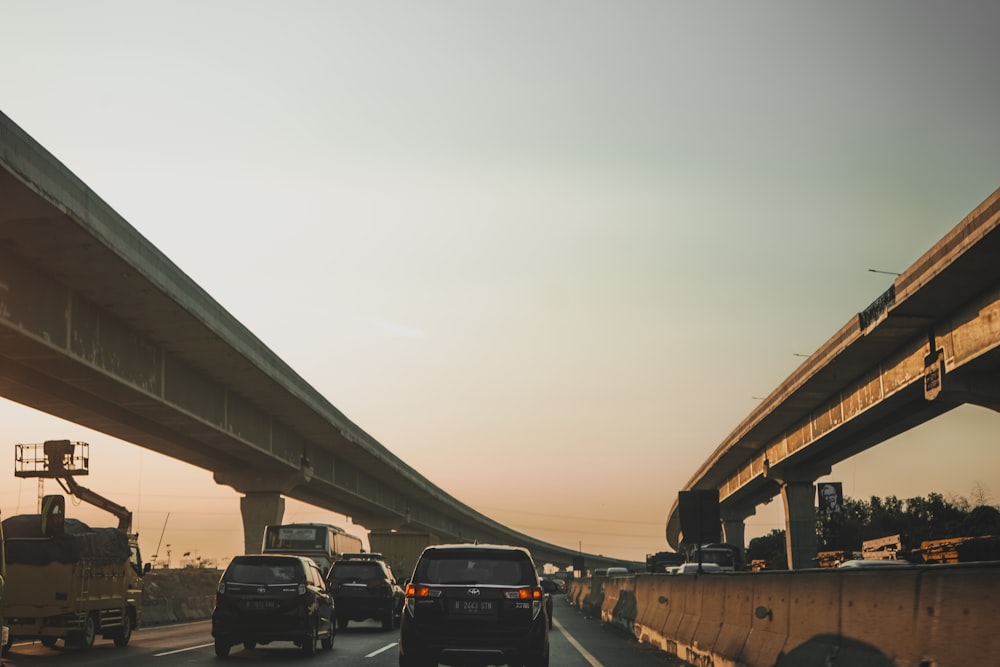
[[266, 571], [356, 571], [500, 569]]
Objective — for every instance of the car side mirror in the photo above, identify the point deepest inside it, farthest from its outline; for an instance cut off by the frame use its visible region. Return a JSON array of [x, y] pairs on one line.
[[147, 567], [549, 586]]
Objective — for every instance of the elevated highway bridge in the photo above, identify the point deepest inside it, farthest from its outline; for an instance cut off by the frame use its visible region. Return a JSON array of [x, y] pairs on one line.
[[927, 345], [100, 328]]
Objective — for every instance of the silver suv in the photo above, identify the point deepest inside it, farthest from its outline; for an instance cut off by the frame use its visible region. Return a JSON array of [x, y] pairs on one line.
[[475, 603]]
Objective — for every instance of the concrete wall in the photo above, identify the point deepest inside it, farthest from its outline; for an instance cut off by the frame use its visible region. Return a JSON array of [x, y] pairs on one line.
[[919, 616]]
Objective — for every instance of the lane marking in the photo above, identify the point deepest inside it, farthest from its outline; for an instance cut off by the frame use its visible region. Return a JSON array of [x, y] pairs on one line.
[[182, 650], [594, 662], [381, 650]]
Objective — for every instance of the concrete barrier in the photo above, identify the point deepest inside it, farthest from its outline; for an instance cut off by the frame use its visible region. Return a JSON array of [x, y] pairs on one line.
[[737, 610], [924, 616], [952, 607], [769, 617]]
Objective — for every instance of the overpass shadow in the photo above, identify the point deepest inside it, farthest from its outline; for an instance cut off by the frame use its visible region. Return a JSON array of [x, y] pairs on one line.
[[830, 650]]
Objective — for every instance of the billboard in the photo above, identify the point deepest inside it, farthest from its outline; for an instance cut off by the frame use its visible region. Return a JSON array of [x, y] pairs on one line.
[[830, 496]]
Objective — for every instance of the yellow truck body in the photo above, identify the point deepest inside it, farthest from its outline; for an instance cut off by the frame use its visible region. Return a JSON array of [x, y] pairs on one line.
[[72, 599]]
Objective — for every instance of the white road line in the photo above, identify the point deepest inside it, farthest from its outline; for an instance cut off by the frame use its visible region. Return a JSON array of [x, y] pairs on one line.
[[594, 662], [381, 650], [181, 650]]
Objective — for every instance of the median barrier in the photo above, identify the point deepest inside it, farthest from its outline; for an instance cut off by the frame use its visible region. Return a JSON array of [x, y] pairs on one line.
[[813, 606], [713, 606], [679, 588], [652, 598], [923, 616], [877, 607], [768, 618], [953, 608], [737, 610], [620, 603]]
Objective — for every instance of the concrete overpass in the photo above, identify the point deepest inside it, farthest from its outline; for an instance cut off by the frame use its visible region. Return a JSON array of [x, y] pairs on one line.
[[927, 345], [100, 328]]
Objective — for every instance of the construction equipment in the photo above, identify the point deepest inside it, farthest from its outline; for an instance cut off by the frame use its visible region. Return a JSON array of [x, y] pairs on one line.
[[67, 580]]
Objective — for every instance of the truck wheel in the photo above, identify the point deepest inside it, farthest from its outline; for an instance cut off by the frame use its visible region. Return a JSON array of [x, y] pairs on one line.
[[124, 634], [87, 634], [5, 649], [48, 642]]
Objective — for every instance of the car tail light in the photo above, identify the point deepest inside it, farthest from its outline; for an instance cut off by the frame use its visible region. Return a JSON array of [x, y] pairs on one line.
[[532, 593], [414, 591]]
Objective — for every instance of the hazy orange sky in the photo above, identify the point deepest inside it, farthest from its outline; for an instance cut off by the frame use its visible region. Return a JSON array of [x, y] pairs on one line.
[[546, 253]]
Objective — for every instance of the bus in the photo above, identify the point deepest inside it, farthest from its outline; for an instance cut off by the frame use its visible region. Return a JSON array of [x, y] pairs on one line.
[[320, 541]]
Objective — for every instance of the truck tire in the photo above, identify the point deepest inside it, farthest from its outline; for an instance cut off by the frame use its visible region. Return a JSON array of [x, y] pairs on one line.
[[85, 637], [124, 634], [49, 642]]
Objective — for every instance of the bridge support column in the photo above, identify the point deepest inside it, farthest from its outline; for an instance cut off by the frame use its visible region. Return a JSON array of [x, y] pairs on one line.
[[734, 527], [800, 523], [259, 509], [798, 491]]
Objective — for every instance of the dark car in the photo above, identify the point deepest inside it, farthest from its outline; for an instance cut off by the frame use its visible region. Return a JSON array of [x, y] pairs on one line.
[[475, 604], [265, 598], [364, 587]]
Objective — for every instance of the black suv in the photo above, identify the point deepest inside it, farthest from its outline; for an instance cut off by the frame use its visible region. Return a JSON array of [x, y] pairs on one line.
[[364, 587], [475, 603], [268, 598]]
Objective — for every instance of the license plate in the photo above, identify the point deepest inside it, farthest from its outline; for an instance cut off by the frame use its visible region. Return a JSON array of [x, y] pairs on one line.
[[472, 607], [261, 604]]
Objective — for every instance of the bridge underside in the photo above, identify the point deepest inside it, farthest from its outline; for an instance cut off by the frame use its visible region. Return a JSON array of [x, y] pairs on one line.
[[99, 328]]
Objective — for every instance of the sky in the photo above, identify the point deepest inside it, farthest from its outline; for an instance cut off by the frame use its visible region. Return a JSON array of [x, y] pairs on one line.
[[548, 253]]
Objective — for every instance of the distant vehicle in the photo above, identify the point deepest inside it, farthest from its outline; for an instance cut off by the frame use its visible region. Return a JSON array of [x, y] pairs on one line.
[[477, 604], [363, 586], [692, 568], [601, 572], [616, 572], [264, 597], [320, 541], [726, 556]]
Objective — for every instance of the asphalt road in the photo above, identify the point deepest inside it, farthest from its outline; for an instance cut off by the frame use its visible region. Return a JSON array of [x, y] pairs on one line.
[[575, 641]]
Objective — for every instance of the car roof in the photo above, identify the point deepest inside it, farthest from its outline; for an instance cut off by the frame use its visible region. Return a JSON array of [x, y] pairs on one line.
[[471, 548]]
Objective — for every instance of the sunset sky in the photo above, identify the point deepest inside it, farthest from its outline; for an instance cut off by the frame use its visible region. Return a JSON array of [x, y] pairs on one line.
[[547, 253]]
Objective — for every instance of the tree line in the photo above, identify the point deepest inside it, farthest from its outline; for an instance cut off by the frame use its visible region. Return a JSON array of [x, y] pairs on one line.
[[931, 517]]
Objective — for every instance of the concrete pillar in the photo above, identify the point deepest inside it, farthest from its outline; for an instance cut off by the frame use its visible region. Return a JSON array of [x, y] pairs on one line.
[[800, 523], [259, 509], [734, 526]]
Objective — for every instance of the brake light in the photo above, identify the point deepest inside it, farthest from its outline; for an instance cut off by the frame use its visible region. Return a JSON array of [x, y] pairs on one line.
[[413, 591], [533, 593]]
